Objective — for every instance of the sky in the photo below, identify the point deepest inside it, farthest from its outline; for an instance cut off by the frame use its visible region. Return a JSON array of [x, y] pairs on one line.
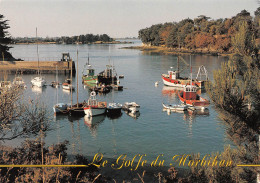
[[117, 18]]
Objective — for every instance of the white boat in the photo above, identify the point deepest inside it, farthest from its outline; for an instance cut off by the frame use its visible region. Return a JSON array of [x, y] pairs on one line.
[[68, 85], [18, 81], [131, 107], [60, 108], [93, 107], [175, 107], [38, 81]]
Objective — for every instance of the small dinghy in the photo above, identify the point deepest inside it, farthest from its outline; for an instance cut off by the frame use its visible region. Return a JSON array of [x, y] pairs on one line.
[[60, 108], [131, 107], [67, 85], [175, 107]]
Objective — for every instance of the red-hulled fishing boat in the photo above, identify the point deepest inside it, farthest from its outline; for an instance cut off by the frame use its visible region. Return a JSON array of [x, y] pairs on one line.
[[189, 97], [173, 78]]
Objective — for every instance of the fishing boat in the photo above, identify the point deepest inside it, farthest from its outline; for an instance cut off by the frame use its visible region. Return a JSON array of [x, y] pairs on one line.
[[173, 77], [19, 82], [89, 77], [132, 107], [175, 107], [189, 97], [93, 107], [38, 81], [108, 76], [67, 85]]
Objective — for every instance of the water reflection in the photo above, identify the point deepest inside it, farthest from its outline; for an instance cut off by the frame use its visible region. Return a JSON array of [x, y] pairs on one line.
[[93, 123], [133, 115], [171, 92], [38, 90], [114, 116]]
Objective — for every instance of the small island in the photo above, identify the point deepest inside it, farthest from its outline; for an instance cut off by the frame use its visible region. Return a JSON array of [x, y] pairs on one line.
[[81, 39]]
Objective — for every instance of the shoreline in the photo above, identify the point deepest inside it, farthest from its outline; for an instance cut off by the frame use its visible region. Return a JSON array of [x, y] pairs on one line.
[[97, 42], [175, 51]]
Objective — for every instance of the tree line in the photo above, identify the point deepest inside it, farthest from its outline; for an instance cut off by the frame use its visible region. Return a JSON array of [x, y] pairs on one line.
[[81, 39], [201, 33]]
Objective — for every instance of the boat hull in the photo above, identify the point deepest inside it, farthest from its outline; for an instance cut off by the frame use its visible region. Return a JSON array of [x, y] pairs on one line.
[[201, 102], [113, 111], [176, 107], [94, 111], [180, 82], [60, 108], [38, 81], [76, 111], [89, 79]]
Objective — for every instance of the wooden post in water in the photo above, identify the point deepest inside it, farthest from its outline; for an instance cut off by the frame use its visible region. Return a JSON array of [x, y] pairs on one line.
[[37, 52], [3, 56], [71, 84]]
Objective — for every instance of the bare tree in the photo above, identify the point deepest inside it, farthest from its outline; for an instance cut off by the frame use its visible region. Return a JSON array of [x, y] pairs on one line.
[[20, 118]]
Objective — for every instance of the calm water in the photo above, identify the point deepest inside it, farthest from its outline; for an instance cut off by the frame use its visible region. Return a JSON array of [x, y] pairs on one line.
[[154, 131]]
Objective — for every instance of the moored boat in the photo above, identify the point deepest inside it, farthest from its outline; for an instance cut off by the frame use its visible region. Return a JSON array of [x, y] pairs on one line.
[[173, 77], [89, 77], [175, 107], [108, 76], [67, 85], [38, 81], [189, 97], [19, 82], [114, 109], [60, 108], [93, 107], [132, 107]]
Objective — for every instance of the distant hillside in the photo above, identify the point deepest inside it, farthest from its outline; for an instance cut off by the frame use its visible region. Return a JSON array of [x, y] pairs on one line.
[[202, 33]]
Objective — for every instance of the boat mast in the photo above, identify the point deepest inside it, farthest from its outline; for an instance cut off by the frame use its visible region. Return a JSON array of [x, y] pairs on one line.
[[37, 52], [190, 71], [56, 84], [77, 81], [71, 83], [88, 58], [178, 69]]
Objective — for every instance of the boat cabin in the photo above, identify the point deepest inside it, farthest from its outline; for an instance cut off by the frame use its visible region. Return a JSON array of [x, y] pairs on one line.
[[90, 71], [174, 74], [189, 92]]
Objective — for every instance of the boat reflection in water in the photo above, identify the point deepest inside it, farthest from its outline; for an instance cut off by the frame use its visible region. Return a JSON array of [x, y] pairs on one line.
[[133, 115], [171, 92], [93, 123], [38, 90], [114, 116], [190, 116]]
